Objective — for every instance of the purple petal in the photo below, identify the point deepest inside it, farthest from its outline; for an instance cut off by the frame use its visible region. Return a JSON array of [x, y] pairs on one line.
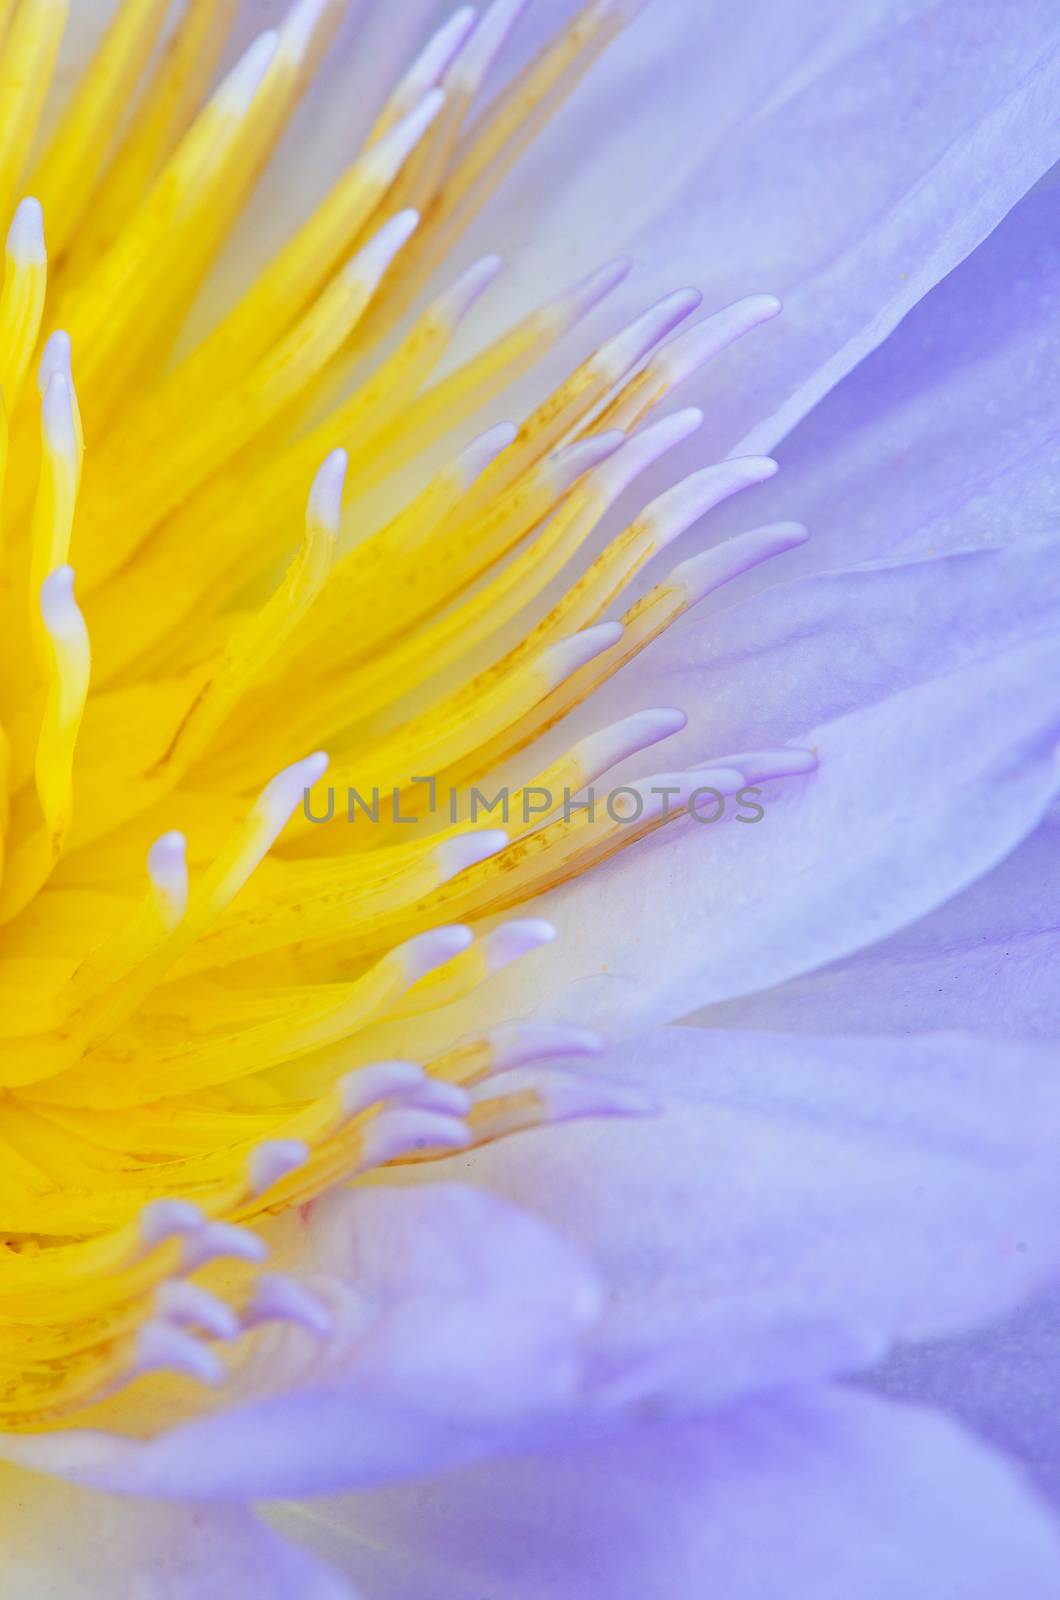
[[813, 1495], [988, 960], [945, 436], [844, 157], [462, 1303], [1003, 1382], [802, 1203]]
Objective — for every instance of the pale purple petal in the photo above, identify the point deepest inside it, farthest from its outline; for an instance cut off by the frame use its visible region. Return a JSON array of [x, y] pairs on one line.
[[802, 1203], [462, 1303], [812, 1495], [1003, 1382], [988, 959], [946, 436], [842, 156]]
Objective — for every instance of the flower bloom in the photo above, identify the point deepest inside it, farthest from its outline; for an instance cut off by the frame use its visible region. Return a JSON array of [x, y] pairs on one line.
[[228, 545]]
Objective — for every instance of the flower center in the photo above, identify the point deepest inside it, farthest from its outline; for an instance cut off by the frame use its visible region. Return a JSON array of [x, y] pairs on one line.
[[183, 1054]]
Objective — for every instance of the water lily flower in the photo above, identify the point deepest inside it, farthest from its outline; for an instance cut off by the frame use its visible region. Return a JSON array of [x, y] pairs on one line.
[[564, 1140]]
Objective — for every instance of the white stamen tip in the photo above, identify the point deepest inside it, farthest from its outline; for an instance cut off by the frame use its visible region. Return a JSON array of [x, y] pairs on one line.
[[403, 1132], [620, 354], [280, 796], [297, 32], [434, 1094], [55, 358], [179, 1301], [273, 1160], [794, 762], [639, 451], [381, 1081], [394, 149], [694, 348], [168, 850], [325, 496], [427, 951], [57, 588], [658, 722], [58, 418], [456, 301], [707, 572], [578, 301], [686, 502], [666, 793], [164, 1219], [236, 95], [436, 56], [281, 1299], [513, 1044], [605, 749], [58, 606], [217, 1239], [758, 766], [369, 264], [560, 661], [161, 1347], [570, 463], [401, 226], [477, 57], [467, 850], [569, 1098], [514, 939], [314, 766], [25, 237], [472, 462], [167, 868]]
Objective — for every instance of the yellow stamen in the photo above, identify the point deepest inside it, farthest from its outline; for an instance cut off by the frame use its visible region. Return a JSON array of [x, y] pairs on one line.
[[268, 1011], [79, 147], [27, 60], [22, 300]]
